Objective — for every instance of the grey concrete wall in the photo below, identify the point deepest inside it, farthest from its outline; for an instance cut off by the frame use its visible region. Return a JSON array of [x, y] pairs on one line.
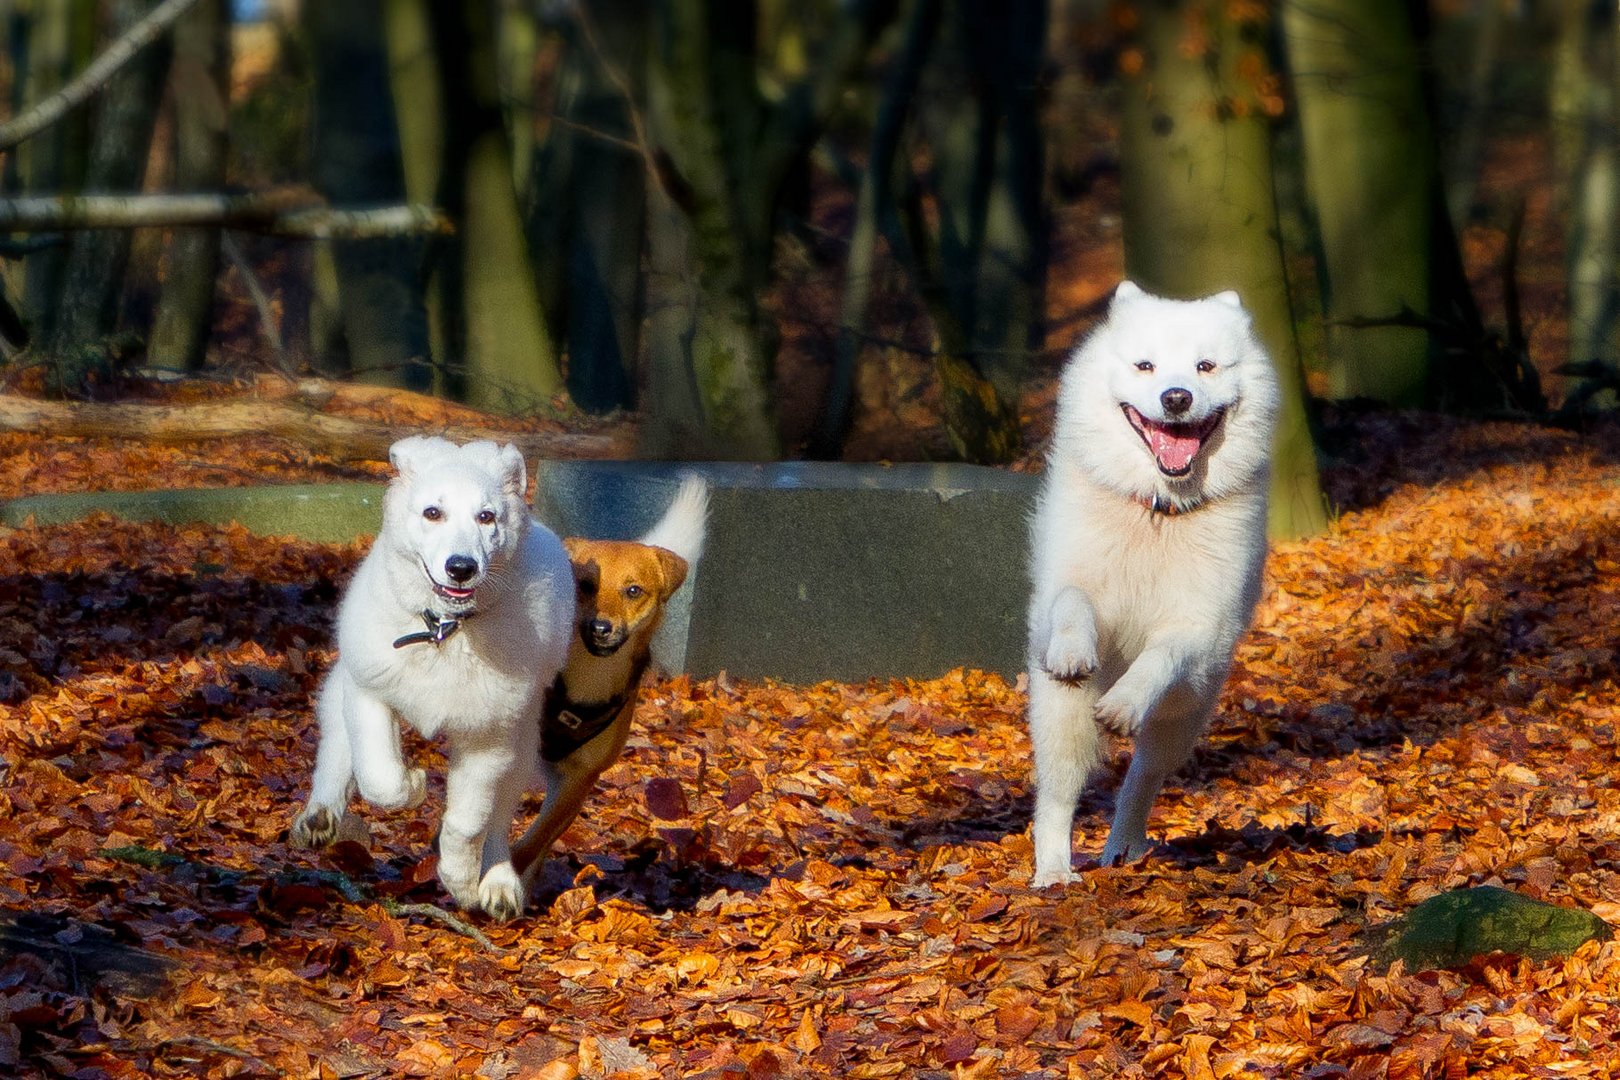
[[811, 571], [824, 571]]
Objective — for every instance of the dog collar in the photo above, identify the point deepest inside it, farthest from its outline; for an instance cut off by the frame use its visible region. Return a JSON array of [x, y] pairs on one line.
[[439, 629], [566, 725], [1157, 504]]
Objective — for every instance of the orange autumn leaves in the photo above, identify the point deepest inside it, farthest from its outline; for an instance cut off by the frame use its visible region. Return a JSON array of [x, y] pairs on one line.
[[832, 880]]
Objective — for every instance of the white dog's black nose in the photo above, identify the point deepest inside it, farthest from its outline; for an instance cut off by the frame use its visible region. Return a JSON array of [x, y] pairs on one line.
[[459, 568], [1176, 400]]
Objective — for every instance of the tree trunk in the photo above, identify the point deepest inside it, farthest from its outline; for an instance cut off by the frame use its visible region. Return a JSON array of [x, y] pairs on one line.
[[1371, 172], [357, 160], [61, 38], [200, 78], [588, 211], [1200, 209], [492, 315], [94, 275], [1594, 231]]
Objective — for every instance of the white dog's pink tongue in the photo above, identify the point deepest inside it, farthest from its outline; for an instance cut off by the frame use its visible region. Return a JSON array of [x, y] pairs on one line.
[[1174, 451]]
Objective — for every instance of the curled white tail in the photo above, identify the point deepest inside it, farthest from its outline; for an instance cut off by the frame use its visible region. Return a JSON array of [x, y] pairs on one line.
[[682, 527]]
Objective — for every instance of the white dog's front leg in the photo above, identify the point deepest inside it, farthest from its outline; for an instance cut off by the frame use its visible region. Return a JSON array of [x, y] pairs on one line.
[[379, 763], [1069, 651], [333, 781], [1167, 665], [482, 792], [1064, 737]]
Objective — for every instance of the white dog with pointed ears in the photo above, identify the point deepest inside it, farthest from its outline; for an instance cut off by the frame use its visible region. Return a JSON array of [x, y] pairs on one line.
[[1148, 542], [456, 622]]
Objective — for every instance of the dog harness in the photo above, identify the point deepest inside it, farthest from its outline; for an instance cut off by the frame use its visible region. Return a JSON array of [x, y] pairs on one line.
[[439, 629], [567, 725]]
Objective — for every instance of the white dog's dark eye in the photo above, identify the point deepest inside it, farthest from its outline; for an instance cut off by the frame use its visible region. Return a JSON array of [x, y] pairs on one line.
[[1144, 365], [433, 513], [486, 517], [634, 592], [1206, 366]]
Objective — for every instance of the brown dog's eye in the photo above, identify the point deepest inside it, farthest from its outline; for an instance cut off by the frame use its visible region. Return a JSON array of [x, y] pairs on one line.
[[634, 592], [433, 513], [486, 517]]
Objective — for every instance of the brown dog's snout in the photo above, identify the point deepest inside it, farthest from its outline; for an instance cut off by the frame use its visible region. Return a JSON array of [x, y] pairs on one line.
[[600, 628]]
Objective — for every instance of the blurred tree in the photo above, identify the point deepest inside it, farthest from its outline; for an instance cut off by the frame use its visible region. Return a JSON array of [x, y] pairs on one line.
[[588, 202], [491, 307], [1371, 171], [86, 309], [200, 79], [723, 154], [1199, 204], [58, 39], [370, 318]]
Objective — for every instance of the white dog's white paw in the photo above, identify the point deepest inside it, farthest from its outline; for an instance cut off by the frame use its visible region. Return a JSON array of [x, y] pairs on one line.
[[315, 827], [1120, 710], [1071, 656], [1048, 877], [1122, 850], [501, 894], [408, 796]]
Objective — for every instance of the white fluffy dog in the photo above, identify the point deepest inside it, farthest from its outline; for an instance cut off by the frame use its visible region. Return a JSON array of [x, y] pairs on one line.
[[1148, 541], [456, 622]]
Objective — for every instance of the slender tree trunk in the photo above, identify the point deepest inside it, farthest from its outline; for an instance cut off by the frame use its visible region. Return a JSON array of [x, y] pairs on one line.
[[1594, 222], [94, 275], [61, 40], [588, 213], [1371, 170], [357, 160], [1468, 147], [200, 77], [493, 318], [1201, 214]]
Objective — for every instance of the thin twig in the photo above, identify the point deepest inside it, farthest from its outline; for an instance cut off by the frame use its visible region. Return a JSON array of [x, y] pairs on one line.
[[77, 91], [441, 916]]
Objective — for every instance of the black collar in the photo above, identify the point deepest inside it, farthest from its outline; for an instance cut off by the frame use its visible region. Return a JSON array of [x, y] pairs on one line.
[[439, 628], [1158, 504], [566, 725]]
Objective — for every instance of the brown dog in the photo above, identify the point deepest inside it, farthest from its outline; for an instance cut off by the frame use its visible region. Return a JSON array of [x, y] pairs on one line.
[[623, 588]]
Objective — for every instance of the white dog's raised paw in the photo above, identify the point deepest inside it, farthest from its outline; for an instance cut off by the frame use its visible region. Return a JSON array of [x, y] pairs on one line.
[[1046, 878], [1069, 658], [500, 894], [1120, 711], [316, 827]]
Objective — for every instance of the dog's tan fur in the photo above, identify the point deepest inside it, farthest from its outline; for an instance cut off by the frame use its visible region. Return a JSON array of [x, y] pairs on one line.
[[624, 585]]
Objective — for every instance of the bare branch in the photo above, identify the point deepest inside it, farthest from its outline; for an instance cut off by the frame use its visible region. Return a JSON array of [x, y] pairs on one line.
[[262, 213], [49, 110]]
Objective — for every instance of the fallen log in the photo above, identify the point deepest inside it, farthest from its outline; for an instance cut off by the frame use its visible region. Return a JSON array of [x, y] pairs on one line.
[[338, 437]]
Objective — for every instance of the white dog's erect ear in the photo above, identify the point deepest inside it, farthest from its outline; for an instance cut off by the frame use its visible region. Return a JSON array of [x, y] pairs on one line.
[[408, 454], [1230, 298], [1128, 290], [514, 474]]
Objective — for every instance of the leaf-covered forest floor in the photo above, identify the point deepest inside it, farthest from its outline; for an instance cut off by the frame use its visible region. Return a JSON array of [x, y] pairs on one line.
[[837, 881], [833, 880]]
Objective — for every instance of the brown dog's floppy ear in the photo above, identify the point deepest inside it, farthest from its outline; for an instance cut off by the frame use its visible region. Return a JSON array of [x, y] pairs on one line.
[[673, 569]]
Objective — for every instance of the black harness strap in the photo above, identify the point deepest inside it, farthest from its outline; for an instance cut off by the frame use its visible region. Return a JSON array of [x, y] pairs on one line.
[[567, 725]]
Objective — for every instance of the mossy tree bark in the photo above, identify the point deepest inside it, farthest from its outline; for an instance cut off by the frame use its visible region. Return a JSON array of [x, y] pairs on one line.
[[1200, 212], [587, 211], [723, 155], [490, 312], [376, 327], [60, 39], [200, 78], [1372, 174], [93, 278]]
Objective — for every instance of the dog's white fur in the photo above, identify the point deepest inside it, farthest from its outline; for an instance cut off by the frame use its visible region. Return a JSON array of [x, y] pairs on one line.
[[1135, 612], [481, 688]]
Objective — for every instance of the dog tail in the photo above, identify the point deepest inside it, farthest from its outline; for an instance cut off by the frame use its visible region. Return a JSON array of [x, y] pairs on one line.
[[682, 527]]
